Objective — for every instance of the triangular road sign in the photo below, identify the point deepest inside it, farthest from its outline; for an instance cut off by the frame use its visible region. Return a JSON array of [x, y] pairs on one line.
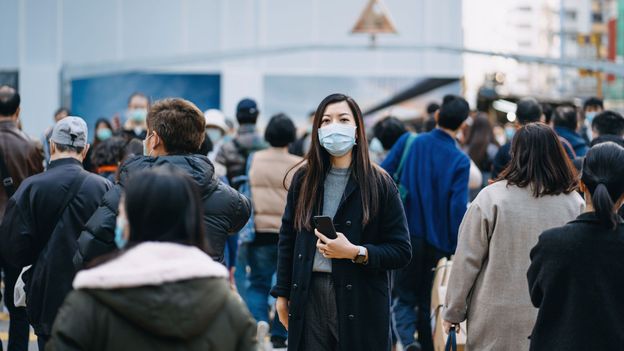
[[374, 19]]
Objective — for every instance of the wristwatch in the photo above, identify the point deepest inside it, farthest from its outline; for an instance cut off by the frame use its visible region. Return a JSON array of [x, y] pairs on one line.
[[361, 256]]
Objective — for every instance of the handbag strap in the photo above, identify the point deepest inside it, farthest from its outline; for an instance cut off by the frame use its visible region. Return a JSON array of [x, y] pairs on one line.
[[451, 341], [7, 180], [71, 194], [406, 150]]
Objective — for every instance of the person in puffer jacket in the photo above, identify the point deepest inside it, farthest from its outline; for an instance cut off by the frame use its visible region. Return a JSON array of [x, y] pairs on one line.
[[175, 132], [161, 291]]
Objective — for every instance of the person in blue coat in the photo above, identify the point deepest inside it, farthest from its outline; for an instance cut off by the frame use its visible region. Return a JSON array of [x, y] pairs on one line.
[[435, 176], [565, 120], [334, 294]]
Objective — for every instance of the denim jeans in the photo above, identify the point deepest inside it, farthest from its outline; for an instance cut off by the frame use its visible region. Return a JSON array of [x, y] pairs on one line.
[[262, 265], [412, 288], [19, 328], [240, 274]]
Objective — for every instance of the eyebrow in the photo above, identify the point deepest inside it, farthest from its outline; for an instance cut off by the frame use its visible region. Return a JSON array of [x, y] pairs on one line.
[[342, 114]]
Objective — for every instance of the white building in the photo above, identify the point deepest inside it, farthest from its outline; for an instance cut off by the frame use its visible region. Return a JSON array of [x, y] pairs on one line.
[[51, 42]]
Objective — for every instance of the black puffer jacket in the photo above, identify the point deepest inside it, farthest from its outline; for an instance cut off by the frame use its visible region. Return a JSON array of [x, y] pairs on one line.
[[225, 210]]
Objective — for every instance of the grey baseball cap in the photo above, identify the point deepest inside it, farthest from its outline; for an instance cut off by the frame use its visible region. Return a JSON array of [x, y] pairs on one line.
[[70, 131]]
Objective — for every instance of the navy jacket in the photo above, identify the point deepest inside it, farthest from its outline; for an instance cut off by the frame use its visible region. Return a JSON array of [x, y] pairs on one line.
[[576, 141], [32, 234], [435, 175]]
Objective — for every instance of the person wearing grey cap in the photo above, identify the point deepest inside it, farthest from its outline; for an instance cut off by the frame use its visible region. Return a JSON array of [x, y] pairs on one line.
[[43, 220]]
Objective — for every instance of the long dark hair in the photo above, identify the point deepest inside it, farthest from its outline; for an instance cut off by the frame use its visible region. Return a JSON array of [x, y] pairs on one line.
[[318, 163], [480, 137], [539, 160], [162, 204], [603, 175]]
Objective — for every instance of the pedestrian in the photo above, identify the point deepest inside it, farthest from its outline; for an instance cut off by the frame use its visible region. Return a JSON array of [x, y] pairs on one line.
[[481, 145], [486, 287], [267, 172], [103, 131], [591, 108], [135, 126], [435, 181], [575, 274], [216, 132], [175, 132], [108, 155], [20, 158], [59, 114], [43, 219], [162, 291], [334, 294], [565, 122], [386, 132], [608, 126]]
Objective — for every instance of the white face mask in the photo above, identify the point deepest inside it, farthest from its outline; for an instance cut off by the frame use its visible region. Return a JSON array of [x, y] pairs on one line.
[[145, 151], [338, 139]]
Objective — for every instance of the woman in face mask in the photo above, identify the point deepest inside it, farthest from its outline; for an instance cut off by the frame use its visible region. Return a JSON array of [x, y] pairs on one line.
[[103, 131], [333, 290]]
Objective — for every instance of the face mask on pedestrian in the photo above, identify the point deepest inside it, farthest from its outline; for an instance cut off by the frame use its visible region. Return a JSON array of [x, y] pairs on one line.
[[214, 134], [337, 138], [120, 228], [147, 152], [589, 117], [137, 114], [104, 133], [509, 133]]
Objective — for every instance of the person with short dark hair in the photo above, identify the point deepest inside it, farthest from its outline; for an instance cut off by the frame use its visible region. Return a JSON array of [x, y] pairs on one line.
[[110, 153], [175, 131], [565, 122], [591, 108], [528, 110], [301, 146], [576, 269], [22, 159], [487, 284], [435, 177], [608, 126], [43, 219], [233, 154], [269, 178], [161, 291], [430, 122], [386, 132]]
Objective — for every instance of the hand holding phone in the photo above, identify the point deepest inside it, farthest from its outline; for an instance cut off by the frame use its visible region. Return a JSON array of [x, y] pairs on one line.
[[325, 225]]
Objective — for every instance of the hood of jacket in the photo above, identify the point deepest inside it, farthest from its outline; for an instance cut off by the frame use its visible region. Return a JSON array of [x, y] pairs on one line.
[[167, 289], [198, 167]]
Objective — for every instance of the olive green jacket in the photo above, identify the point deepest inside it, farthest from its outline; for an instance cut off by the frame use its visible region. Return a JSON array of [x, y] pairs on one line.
[[198, 313]]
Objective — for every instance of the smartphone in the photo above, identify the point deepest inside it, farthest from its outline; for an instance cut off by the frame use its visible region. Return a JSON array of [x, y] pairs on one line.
[[325, 225]]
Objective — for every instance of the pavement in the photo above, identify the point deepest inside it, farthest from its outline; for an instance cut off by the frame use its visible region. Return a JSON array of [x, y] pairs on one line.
[[4, 333]]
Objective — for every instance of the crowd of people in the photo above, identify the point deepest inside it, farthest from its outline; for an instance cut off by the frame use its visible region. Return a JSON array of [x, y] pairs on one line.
[[174, 228]]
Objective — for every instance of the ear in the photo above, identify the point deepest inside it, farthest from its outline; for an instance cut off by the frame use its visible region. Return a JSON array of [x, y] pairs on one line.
[[52, 147], [85, 151], [436, 116], [17, 113]]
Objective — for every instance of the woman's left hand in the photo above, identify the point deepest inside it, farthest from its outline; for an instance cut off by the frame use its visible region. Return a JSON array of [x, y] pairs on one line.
[[339, 248]]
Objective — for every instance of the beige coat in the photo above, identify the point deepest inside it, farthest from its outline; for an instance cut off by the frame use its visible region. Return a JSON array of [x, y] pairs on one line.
[[266, 177], [488, 284]]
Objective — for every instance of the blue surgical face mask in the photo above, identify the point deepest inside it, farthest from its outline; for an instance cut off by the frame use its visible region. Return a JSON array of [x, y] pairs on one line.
[[338, 139], [120, 241], [214, 134], [509, 132], [589, 117], [137, 114], [104, 133]]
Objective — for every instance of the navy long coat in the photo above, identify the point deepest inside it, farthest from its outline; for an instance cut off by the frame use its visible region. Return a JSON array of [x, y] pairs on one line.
[[362, 291]]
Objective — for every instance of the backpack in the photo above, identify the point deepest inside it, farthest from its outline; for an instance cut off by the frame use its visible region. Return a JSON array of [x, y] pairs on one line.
[[248, 233], [399, 171]]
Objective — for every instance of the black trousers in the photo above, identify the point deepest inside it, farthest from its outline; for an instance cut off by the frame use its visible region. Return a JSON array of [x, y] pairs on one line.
[[19, 328], [320, 327]]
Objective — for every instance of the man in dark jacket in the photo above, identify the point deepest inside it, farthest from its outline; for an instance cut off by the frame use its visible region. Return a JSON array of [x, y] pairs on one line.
[[43, 220], [21, 158], [233, 154], [175, 133]]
